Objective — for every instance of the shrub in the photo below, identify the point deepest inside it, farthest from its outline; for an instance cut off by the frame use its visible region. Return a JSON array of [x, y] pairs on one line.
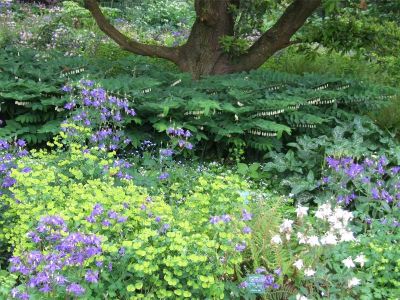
[[157, 249]]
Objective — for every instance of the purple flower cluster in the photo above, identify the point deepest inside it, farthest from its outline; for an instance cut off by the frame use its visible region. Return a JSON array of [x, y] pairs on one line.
[[9, 153], [222, 219], [57, 252], [104, 113], [373, 179], [181, 136], [246, 216], [261, 280], [106, 218]]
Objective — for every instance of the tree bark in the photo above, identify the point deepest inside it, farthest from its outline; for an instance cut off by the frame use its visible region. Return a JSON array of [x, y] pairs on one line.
[[202, 54]]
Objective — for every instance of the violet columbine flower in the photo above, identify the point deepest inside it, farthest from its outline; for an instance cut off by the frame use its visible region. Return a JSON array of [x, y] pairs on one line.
[[69, 106], [66, 88], [240, 247], [166, 152], [333, 163], [163, 176], [246, 230], [106, 223], [8, 182], [92, 276], [164, 228], [226, 218], [122, 219], [375, 193], [215, 219], [246, 216], [75, 289], [20, 143], [97, 209], [112, 214], [261, 270]]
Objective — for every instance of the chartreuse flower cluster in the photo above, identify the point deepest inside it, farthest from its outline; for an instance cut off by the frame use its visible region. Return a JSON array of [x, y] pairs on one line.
[[78, 231]]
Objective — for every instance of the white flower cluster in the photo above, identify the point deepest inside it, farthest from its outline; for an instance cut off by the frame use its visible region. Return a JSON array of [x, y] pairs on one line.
[[337, 219]]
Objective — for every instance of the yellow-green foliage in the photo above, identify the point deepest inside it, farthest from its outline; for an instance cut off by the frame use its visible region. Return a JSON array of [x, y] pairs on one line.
[[191, 259]]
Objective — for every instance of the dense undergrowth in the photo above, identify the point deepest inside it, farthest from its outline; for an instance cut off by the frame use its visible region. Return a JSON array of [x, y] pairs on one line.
[[121, 178]]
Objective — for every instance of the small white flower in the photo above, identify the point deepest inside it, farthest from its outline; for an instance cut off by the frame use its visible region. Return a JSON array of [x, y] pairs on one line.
[[360, 259], [309, 272], [313, 241], [346, 236], [301, 211], [353, 282], [301, 237], [298, 264], [286, 226], [348, 262], [329, 239], [276, 239], [324, 211], [300, 297]]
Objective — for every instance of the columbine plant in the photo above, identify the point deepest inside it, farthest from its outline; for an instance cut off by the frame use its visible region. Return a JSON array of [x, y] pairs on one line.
[[9, 154], [371, 187], [311, 243], [62, 262], [105, 114]]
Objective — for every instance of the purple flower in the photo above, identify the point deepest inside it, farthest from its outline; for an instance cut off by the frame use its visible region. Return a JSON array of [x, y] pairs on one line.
[[261, 270], [163, 176], [333, 163], [246, 216], [4, 145], [20, 143], [112, 214], [158, 219], [66, 88], [122, 219], [69, 105], [121, 251], [8, 182], [240, 247], [164, 228], [395, 170], [26, 170], [99, 263], [166, 152], [247, 230], [75, 289], [215, 219], [375, 193], [226, 218], [97, 209], [106, 223], [92, 276], [354, 170], [91, 219]]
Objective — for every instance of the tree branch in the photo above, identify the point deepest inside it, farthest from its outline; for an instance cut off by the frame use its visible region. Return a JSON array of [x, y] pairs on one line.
[[125, 42], [278, 36]]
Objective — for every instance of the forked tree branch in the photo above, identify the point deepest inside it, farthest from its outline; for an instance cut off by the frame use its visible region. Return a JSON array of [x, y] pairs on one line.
[[125, 42], [278, 36]]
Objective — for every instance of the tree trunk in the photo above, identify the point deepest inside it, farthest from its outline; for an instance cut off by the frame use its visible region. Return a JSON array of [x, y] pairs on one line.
[[202, 53]]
